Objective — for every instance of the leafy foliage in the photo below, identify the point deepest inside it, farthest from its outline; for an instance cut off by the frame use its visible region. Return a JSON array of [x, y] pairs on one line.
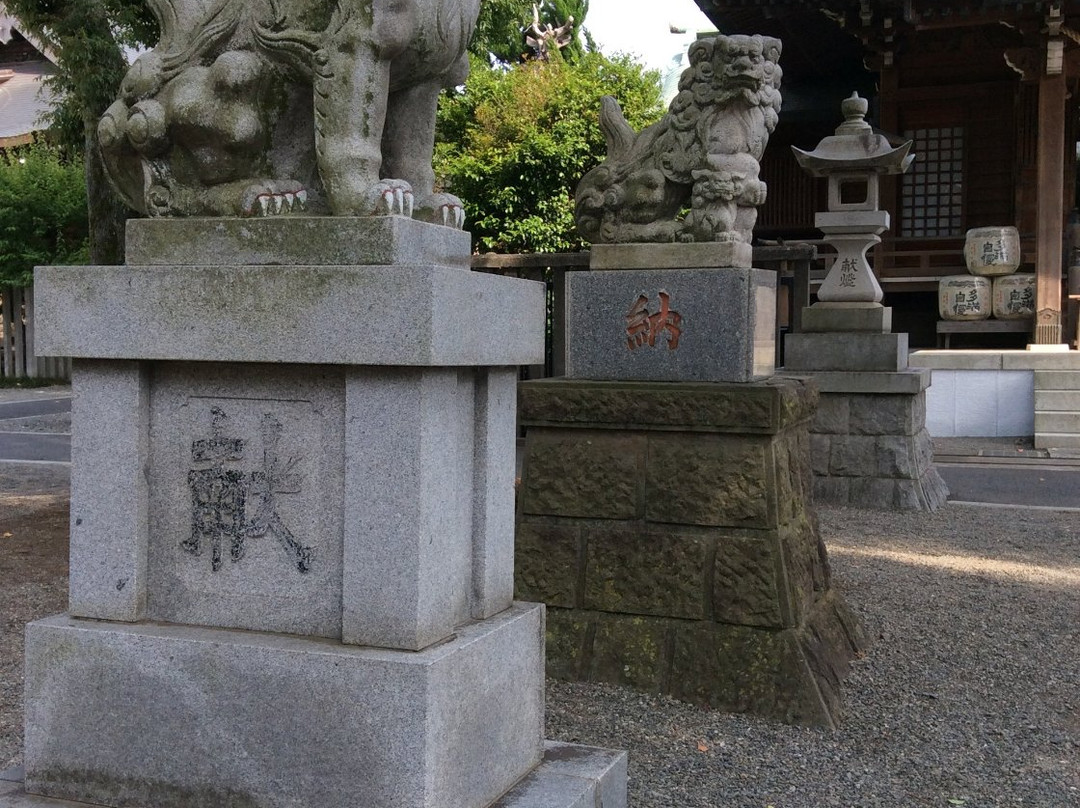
[[516, 141], [87, 36], [43, 214], [559, 12], [499, 30]]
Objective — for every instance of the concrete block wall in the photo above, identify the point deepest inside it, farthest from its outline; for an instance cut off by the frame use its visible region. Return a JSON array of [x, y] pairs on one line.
[[1003, 394]]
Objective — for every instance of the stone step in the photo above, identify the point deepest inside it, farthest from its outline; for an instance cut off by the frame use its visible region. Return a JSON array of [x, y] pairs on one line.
[[1057, 400], [1061, 422], [569, 776], [1057, 440], [1057, 379]]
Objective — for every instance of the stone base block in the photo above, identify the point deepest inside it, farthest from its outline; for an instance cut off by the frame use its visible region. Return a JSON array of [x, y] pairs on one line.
[[569, 776], [910, 381], [793, 675], [926, 493], [295, 240], [846, 351], [826, 317], [389, 520], [713, 325], [572, 776], [402, 314], [698, 255], [669, 528], [872, 449], [174, 716]]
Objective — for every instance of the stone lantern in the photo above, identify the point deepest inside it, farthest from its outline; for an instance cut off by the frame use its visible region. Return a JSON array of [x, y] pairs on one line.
[[853, 160], [869, 443]]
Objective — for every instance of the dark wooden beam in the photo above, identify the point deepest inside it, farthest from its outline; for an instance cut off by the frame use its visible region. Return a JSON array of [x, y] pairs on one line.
[[1051, 183]]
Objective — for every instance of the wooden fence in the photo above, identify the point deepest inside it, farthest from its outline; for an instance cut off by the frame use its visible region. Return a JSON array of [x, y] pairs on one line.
[[17, 358]]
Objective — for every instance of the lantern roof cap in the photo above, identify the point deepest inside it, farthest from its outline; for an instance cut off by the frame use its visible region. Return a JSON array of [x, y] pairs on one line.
[[855, 147]]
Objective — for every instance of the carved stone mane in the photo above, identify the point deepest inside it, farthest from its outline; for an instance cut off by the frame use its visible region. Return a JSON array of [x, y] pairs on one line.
[[264, 107], [705, 153]]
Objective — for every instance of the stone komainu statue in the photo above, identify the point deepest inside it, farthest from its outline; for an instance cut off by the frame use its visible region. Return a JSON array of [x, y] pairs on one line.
[[269, 106], [705, 154]]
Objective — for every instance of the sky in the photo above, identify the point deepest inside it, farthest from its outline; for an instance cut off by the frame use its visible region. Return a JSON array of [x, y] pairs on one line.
[[640, 27]]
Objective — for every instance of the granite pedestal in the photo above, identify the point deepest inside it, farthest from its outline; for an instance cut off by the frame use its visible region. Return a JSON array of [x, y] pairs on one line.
[[685, 321], [664, 514], [292, 527], [669, 529]]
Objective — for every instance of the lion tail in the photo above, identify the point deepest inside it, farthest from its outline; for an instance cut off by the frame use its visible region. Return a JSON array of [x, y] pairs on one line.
[[618, 134]]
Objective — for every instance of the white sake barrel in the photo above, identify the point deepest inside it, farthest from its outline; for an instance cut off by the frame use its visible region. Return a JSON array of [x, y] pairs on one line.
[[992, 250], [1014, 296], [964, 297]]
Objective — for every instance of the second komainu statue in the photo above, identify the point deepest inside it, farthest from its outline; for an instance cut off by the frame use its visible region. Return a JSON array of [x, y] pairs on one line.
[[268, 106], [702, 159]]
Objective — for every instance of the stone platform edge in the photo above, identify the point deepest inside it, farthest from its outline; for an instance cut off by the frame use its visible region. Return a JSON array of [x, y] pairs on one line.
[[260, 743], [994, 360], [764, 407], [406, 315], [569, 776], [295, 240]]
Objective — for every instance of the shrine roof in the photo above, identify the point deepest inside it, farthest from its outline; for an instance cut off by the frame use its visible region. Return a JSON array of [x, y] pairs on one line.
[[732, 16], [23, 100]]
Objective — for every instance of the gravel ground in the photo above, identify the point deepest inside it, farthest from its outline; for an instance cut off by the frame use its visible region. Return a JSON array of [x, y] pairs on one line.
[[969, 695]]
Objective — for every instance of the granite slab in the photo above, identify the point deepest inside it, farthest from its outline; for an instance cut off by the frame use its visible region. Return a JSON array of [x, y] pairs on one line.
[[714, 325], [358, 315], [173, 716]]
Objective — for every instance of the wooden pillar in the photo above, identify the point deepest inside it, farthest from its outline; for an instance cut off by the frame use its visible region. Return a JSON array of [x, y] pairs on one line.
[[1051, 174]]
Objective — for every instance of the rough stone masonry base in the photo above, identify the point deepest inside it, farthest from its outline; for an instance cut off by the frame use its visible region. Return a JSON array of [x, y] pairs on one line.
[[669, 529]]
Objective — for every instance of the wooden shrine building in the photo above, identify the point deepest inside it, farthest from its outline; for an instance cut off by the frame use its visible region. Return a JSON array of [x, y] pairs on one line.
[[24, 65], [987, 89]]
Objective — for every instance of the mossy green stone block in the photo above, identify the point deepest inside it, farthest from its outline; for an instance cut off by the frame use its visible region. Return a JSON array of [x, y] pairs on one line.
[[596, 475], [546, 562], [656, 572], [568, 641], [708, 480], [748, 581], [744, 670], [630, 651], [759, 408], [830, 639], [806, 569]]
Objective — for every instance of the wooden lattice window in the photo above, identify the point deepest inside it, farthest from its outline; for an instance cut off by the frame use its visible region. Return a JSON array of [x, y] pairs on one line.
[[933, 195]]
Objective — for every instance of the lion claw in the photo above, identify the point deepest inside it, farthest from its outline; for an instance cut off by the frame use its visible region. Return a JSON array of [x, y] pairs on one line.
[[444, 209], [395, 198], [273, 198]]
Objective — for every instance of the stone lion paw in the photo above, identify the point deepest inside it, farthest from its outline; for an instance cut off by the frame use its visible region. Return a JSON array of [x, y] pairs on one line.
[[392, 198], [444, 209], [273, 198]]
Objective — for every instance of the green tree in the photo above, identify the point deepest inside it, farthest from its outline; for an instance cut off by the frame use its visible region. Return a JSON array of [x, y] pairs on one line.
[[43, 213], [500, 30], [514, 143], [87, 37], [559, 12]]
